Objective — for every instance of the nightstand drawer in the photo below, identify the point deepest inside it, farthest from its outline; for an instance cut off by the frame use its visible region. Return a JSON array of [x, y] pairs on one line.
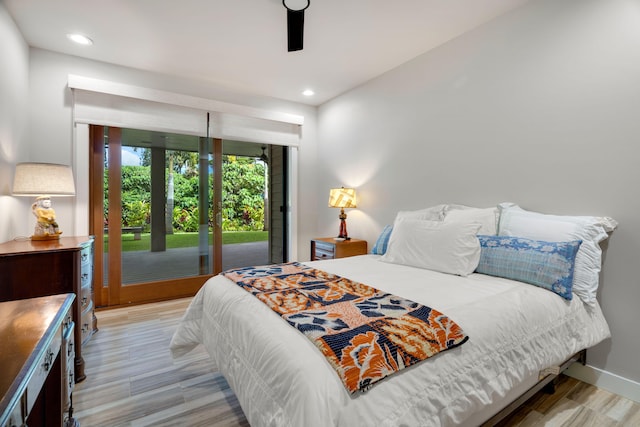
[[324, 250], [321, 254], [329, 248]]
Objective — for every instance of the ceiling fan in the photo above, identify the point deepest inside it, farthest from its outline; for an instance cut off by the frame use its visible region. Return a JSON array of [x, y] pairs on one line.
[[295, 22]]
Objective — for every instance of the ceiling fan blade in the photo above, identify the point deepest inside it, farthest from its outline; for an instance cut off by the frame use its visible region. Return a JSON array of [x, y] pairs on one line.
[[295, 29]]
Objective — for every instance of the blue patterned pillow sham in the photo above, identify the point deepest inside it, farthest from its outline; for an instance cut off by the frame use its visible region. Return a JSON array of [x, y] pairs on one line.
[[549, 265], [381, 244]]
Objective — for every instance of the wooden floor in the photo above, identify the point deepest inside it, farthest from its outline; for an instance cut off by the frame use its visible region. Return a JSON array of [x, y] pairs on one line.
[[133, 381]]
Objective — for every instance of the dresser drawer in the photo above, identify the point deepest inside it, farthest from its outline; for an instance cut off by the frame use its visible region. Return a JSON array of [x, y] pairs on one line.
[[15, 418], [86, 255], [86, 277], [67, 350], [42, 367], [67, 356], [86, 324], [86, 266], [85, 297]]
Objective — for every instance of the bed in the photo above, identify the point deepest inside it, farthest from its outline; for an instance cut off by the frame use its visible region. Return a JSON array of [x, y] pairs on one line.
[[516, 330]]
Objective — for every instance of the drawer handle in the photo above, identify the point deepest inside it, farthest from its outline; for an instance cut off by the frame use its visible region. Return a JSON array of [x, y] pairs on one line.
[[84, 257], [84, 301], [48, 360], [85, 276], [85, 327], [70, 349]]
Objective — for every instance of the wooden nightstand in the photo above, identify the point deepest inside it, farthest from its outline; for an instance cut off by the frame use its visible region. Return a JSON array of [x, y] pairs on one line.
[[329, 248]]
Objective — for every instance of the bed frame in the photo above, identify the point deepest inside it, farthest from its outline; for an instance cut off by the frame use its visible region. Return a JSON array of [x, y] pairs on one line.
[[547, 383]]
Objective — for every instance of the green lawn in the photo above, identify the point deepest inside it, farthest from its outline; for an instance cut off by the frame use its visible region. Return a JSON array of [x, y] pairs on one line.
[[184, 240]]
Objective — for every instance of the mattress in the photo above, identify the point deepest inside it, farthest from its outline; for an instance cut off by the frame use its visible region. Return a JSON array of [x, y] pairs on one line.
[[281, 379]]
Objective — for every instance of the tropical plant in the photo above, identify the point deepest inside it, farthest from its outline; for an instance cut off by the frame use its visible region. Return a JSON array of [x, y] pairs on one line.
[[185, 219], [136, 213]]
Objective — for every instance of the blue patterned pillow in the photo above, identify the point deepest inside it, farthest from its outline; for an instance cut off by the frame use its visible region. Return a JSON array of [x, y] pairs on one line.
[[383, 240], [549, 265]]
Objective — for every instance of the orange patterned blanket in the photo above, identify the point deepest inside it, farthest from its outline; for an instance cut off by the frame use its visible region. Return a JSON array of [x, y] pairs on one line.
[[365, 334]]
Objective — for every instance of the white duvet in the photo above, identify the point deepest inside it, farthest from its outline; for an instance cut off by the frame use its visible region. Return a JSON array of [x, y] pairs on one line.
[[282, 379]]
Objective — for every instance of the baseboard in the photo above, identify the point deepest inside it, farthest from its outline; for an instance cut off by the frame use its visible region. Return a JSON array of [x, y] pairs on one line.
[[605, 380]]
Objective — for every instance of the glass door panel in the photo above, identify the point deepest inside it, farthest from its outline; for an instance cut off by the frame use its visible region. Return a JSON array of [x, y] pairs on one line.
[[245, 201], [166, 192], [157, 226]]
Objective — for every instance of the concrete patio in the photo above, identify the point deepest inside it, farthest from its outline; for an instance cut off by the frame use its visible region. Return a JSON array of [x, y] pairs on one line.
[[143, 266]]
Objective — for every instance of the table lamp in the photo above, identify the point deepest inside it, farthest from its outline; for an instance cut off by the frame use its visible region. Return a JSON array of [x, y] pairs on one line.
[[43, 180], [342, 198]]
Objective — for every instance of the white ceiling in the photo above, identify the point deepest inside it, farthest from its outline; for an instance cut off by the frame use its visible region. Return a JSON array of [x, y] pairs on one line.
[[242, 44]]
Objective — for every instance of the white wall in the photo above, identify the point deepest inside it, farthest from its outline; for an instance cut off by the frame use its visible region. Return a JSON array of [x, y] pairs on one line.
[[14, 91], [50, 117], [539, 107]]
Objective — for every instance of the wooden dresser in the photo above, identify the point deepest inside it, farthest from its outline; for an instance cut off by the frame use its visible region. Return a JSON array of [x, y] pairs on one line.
[[39, 268], [36, 362]]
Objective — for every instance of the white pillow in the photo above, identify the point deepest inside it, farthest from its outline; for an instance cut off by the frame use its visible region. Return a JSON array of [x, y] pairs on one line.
[[433, 213], [435, 245], [515, 221], [487, 217]]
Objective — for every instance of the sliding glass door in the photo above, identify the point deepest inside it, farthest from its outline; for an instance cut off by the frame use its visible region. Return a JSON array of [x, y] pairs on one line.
[[160, 203], [155, 194]]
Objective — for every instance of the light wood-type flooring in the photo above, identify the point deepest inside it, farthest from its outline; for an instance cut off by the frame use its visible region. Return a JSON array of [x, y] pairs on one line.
[[133, 381]]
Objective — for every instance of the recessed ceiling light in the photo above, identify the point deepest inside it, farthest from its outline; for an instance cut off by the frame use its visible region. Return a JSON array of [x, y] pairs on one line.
[[308, 92], [80, 39]]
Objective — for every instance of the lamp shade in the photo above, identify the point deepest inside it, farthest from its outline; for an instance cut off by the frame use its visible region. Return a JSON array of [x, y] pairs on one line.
[[342, 198], [40, 179]]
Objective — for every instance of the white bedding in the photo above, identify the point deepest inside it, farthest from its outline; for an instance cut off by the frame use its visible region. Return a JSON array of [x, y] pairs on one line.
[[282, 379]]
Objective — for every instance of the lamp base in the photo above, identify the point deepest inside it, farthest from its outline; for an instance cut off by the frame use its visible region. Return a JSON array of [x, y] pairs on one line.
[[46, 237], [343, 229]]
